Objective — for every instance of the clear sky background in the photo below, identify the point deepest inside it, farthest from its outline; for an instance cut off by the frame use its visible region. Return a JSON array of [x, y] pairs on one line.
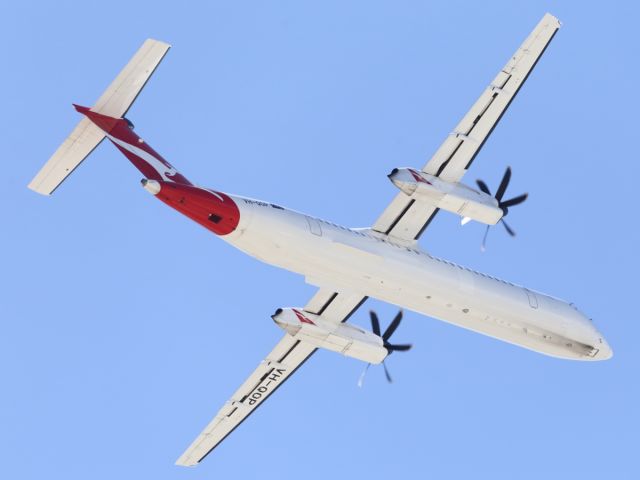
[[126, 326]]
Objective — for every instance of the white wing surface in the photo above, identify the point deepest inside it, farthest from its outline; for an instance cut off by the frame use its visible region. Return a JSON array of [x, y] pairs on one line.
[[287, 356], [404, 218]]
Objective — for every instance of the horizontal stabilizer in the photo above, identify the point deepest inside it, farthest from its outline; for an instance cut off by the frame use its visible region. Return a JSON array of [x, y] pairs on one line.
[[114, 102], [122, 92], [82, 141]]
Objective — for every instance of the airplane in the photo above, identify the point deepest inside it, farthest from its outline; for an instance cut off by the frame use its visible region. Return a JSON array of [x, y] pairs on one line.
[[349, 265]]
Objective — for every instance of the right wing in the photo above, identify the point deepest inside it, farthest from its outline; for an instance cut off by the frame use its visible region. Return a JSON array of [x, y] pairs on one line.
[[405, 218], [288, 355]]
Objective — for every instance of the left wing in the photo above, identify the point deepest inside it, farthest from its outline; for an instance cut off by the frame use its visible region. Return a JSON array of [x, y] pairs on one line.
[[287, 356], [405, 218]]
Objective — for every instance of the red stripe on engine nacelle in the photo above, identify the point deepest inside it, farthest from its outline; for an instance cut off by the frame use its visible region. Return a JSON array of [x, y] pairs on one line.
[[302, 318]]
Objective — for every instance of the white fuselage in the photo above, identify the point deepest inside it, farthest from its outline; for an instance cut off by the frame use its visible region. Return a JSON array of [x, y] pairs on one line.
[[361, 261]]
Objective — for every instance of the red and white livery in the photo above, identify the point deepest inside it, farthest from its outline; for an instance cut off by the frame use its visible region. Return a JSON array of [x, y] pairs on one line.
[[348, 265]]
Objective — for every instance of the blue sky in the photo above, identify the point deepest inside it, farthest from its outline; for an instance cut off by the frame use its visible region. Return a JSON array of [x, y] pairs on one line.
[[125, 326]]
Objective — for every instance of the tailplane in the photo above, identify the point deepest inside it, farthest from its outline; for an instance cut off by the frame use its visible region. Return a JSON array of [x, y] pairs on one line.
[[113, 104]]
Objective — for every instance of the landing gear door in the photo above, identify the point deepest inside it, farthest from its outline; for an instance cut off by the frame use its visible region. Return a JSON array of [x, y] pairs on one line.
[[314, 226]]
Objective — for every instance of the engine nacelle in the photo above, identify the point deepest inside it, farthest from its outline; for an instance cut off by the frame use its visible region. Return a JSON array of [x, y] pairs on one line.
[[343, 338], [452, 197]]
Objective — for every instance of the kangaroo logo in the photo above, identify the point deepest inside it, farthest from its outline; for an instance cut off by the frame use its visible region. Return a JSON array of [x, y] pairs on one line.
[[165, 170]]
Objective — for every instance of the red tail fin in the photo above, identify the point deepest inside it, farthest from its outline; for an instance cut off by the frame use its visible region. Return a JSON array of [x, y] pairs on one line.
[[144, 158]]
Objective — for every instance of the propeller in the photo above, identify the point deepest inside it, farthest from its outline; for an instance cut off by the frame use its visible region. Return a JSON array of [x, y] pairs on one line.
[[391, 347], [504, 205]]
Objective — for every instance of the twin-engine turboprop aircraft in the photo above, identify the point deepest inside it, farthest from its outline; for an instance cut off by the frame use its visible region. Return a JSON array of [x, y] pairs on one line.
[[348, 265]]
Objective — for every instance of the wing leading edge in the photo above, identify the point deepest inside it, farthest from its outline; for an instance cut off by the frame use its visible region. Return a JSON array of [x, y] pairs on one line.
[[287, 356], [406, 219]]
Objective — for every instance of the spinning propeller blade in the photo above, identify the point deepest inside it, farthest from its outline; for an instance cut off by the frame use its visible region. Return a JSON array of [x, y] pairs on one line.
[[392, 326], [375, 323], [483, 186]]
